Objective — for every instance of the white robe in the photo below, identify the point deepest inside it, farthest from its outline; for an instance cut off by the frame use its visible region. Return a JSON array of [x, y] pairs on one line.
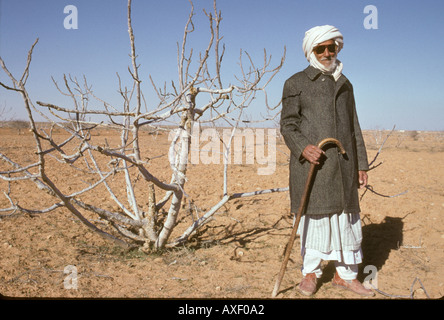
[[332, 237]]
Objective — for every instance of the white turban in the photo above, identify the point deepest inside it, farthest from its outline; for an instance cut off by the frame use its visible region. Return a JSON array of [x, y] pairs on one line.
[[317, 35]]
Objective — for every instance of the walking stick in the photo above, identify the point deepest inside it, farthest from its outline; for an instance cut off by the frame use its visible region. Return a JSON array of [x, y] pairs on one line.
[[299, 214]]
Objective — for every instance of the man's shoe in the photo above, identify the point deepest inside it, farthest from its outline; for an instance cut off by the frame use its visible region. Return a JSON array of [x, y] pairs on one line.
[[308, 284], [352, 285]]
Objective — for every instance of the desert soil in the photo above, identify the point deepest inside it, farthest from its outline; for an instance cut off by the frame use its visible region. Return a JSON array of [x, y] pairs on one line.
[[238, 254]]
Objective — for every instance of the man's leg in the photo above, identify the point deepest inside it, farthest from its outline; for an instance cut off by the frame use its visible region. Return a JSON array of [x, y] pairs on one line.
[[346, 277], [311, 264], [311, 270], [346, 272]]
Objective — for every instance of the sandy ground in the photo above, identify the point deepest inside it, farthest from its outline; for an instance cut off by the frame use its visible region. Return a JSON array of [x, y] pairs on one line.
[[239, 253]]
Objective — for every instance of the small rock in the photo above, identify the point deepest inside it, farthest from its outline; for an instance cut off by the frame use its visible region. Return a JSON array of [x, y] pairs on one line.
[[420, 293], [158, 260], [7, 245]]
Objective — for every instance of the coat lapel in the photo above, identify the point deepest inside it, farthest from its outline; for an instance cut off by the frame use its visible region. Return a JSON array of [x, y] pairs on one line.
[[341, 81], [312, 73]]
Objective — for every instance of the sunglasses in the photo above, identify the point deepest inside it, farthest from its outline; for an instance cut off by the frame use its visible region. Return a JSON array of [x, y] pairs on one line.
[[321, 49]]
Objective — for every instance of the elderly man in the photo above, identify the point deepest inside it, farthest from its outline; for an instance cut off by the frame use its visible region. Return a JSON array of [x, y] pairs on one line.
[[318, 103]]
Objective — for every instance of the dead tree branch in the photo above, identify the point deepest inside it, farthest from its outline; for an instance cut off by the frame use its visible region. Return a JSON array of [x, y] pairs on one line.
[[372, 166]]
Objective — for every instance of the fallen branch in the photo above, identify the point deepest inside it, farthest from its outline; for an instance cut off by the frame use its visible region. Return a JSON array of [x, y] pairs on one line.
[[370, 188], [402, 296]]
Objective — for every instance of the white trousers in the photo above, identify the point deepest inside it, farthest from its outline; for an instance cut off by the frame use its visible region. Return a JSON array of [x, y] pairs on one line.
[[334, 237], [312, 264]]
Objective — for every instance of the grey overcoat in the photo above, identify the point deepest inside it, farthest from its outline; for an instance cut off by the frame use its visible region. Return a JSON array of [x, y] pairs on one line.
[[315, 107]]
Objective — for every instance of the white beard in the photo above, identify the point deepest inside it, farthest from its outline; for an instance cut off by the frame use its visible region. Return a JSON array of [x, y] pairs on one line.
[[332, 65], [335, 68]]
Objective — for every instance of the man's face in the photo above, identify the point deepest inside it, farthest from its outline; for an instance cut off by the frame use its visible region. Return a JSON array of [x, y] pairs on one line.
[[326, 53]]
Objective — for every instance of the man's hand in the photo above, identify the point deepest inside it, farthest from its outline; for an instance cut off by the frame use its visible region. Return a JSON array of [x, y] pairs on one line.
[[363, 179], [312, 153]]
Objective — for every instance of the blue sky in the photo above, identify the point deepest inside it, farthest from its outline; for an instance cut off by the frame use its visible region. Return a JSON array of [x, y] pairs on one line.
[[395, 70]]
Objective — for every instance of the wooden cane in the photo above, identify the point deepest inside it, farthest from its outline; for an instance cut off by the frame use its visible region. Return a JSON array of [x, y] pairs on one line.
[[299, 214]]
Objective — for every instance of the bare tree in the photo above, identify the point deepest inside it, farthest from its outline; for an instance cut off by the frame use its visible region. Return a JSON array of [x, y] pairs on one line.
[[136, 222]]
